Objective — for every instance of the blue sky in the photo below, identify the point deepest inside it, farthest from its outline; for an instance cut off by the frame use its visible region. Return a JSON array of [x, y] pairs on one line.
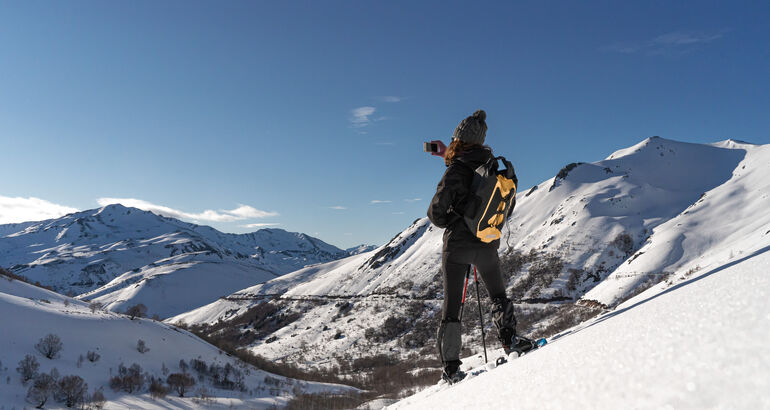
[[310, 116]]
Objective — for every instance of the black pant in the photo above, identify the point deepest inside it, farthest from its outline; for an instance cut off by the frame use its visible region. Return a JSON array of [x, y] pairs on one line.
[[454, 265]]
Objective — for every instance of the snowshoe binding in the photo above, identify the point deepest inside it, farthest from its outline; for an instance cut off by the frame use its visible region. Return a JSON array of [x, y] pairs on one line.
[[454, 377], [522, 345], [452, 373]]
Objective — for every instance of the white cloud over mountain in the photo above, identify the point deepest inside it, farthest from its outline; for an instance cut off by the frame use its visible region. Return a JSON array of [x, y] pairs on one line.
[[240, 213], [18, 209], [259, 225]]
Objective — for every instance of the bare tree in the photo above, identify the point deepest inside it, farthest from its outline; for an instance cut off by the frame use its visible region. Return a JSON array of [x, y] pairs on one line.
[[128, 379], [94, 306], [180, 382], [138, 310], [157, 388], [141, 347], [183, 366], [42, 388], [49, 346], [98, 399], [28, 368], [73, 390]]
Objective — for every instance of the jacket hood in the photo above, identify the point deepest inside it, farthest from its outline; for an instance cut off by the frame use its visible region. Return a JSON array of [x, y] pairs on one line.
[[476, 156]]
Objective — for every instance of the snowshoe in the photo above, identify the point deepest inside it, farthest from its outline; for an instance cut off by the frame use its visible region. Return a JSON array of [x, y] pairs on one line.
[[523, 345]]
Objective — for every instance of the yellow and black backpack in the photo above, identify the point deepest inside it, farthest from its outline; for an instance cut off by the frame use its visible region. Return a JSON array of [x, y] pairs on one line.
[[492, 198]]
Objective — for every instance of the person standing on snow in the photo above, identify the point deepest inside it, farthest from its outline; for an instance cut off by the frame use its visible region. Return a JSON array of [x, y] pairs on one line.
[[462, 248]]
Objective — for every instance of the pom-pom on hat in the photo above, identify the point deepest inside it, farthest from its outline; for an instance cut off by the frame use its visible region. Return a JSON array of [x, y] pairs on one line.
[[473, 129]]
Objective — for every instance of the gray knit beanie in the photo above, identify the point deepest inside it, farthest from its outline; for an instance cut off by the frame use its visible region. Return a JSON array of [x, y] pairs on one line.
[[472, 129]]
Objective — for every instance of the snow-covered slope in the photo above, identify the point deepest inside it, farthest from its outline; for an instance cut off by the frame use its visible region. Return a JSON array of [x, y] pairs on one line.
[[598, 232], [122, 256], [726, 222], [30, 313], [699, 344]]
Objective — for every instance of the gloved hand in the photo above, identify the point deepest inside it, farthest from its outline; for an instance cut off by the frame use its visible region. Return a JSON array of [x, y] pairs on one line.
[[441, 149]]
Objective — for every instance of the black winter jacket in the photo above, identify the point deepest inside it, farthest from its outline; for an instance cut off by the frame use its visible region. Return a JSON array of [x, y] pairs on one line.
[[452, 195]]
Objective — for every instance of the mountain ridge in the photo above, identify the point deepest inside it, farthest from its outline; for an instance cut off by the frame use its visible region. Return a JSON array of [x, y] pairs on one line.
[[110, 253]]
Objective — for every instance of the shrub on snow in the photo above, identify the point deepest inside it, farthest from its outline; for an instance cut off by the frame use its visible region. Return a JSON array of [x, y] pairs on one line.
[[180, 382], [72, 390], [138, 310], [41, 390], [28, 368], [49, 346]]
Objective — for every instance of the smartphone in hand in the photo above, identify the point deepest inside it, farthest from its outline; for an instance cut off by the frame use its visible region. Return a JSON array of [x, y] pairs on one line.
[[435, 147]]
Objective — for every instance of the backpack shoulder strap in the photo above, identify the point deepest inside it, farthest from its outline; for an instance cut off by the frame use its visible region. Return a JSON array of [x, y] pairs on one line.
[[509, 172]]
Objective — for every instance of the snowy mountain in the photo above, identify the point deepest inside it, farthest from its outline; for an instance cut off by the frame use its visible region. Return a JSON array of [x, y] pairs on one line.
[[96, 343], [360, 249], [123, 256], [576, 245]]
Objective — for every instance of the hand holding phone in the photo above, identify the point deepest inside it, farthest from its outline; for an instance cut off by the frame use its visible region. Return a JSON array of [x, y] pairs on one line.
[[435, 147]]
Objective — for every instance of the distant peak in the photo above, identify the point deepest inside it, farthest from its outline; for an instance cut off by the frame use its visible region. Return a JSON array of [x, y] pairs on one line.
[[653, 142], [732, 143], [117, 209], [113, 207]]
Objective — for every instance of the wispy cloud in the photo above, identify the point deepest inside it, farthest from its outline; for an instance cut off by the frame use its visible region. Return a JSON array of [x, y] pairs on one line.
[[258, 225], [18, 209], [681, 38], [379, 201], [413, 199], [338, 207], [240, 213], [361, 117], [675, 41], [246, 212], [391, 99], [398, 213]]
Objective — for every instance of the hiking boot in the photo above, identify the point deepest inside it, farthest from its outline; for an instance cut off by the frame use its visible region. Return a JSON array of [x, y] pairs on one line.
[[521, 345], [507, 338], [452, 373], [454, 377]]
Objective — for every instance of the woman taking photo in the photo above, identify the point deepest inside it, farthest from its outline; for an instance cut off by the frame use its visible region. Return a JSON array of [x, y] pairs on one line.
[[462, 248]]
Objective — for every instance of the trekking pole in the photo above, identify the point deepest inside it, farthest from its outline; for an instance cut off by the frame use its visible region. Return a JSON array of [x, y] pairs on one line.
[[481, 315], [465, 288]]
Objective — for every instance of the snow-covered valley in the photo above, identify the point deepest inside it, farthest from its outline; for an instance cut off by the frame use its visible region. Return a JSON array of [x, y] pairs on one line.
[[96, 343]]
